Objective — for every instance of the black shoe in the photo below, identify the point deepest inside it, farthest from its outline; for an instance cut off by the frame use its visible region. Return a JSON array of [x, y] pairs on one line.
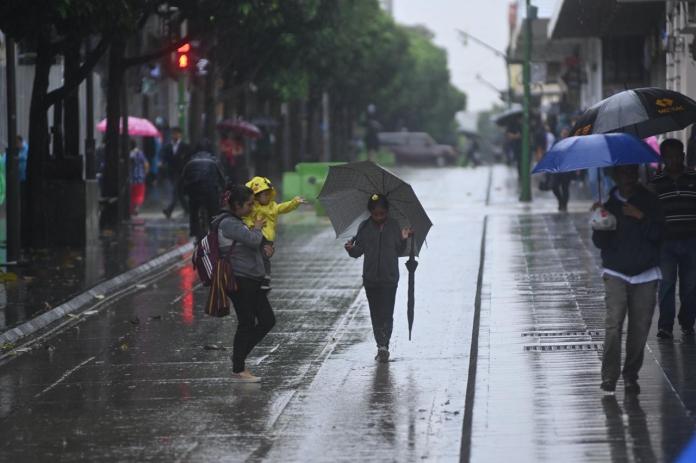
[[167, 213], [607, 386], [664, 334], [631, 387], [688, 331]]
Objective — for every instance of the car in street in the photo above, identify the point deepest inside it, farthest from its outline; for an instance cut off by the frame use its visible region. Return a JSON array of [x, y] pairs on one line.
[[417, 147]]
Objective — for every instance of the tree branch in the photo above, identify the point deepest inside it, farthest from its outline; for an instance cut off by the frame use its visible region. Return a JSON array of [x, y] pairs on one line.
[[93, 58], [138, 60]]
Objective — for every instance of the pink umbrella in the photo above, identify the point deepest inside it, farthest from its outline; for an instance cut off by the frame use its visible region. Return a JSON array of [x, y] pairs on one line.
[[655, 145], [137, 126]]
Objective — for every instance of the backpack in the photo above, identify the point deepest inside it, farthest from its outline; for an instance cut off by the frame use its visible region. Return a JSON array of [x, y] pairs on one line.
[[206, 253]]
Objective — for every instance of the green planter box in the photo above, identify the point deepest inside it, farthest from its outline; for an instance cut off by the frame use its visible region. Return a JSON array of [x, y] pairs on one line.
[[307, 181]]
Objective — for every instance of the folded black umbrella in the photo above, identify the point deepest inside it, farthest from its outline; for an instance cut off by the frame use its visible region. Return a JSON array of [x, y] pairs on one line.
[[642, 112]]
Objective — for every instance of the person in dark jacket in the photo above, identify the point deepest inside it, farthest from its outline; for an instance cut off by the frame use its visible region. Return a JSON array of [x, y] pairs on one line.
[[175, 155], [630, 260], [202, 180], [381, 241], [676, 189], [244, 246]]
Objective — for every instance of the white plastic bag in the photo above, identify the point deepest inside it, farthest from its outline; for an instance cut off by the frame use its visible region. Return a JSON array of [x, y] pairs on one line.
[[602, 220]]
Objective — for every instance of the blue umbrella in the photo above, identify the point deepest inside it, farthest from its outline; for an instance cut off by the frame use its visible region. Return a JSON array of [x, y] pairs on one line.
[[595, 151]]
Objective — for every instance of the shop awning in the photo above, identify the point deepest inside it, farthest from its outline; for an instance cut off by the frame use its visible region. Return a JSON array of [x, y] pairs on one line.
[[604, 18]]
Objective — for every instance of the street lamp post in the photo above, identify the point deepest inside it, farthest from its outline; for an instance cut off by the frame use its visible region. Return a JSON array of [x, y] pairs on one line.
[[525, 177], [465, 36]]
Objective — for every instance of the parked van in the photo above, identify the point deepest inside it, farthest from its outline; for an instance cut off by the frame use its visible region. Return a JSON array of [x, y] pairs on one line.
[[417, 147]]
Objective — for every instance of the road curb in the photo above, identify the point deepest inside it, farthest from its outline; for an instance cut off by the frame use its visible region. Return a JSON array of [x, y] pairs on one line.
[[92, 295]]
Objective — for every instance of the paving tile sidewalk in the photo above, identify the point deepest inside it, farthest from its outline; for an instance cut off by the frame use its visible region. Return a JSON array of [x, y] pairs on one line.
[[537, 391]]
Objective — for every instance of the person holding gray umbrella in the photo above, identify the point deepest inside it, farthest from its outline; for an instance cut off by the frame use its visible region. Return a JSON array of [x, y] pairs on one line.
[[381, 241]]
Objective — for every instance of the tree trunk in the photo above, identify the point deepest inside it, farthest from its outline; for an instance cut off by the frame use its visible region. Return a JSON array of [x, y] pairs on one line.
[[57, 131], [195, 109], [112, 169], [209, 116], [72, 101], [124, 158], [34, 230]]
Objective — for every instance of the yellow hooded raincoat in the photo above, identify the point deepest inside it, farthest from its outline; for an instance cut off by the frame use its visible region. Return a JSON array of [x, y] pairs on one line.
[[270, 211]]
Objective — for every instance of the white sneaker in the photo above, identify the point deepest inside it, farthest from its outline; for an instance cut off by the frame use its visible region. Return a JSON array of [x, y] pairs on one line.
[[245, 377]]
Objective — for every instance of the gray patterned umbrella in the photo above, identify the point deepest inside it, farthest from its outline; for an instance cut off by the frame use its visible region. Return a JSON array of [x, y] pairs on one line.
[[348, 188]]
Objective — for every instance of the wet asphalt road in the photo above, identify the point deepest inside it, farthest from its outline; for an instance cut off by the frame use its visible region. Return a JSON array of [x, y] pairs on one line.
[[146, 379]]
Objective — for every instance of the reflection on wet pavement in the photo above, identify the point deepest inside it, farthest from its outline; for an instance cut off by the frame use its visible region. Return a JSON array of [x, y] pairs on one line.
[[49, 277], [148, 377]]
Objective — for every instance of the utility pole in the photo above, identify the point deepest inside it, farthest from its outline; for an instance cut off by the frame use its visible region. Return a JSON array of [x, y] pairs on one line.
[[14, 213], [526, 191]]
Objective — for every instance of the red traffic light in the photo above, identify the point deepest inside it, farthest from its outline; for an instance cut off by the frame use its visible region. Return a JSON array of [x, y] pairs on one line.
[[183, 59]]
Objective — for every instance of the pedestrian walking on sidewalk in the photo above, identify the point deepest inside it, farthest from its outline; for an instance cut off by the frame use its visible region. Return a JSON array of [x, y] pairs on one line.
[[560, 182], [381, 241], [138, 173], [676, 190], [202, 181], [265, 207], [255, 316], [630, 260], [175, 155]]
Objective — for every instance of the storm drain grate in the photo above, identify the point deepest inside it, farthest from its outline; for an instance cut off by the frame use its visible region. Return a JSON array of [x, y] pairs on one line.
[[551, 276], [564, 346], [562, 333]]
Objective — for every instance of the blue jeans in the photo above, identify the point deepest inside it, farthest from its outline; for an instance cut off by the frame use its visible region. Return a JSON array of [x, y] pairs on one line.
[[678, 259]]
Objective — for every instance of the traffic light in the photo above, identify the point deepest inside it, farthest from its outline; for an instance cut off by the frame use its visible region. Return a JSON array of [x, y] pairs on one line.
[[183, 57]]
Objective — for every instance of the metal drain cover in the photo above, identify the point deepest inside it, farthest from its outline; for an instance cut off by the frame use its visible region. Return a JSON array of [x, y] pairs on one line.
[[564, 346], [561, 333]]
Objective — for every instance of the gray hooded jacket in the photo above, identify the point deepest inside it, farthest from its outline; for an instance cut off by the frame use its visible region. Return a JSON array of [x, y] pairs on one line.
[[381, 246]]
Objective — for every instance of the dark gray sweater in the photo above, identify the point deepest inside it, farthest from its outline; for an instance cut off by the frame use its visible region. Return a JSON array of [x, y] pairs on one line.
[[381, 246]]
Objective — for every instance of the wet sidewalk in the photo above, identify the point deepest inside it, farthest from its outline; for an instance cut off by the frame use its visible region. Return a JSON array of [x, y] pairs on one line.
[[537, 391], [48, 277], [147, 378]]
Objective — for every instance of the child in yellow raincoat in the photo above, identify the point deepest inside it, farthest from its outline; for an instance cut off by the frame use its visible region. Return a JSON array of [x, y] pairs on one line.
[[266, 208]]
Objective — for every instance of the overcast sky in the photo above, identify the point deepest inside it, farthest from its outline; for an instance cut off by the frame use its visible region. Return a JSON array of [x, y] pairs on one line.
[[485, 19]]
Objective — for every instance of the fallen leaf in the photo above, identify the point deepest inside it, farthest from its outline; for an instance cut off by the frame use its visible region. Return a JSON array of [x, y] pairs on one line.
[[7, 346], [47, 306], [124, 347], [135, 321]]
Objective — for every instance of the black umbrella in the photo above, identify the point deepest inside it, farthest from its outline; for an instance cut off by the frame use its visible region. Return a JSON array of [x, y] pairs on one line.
[[411, 265], [508, 116], [642, 112], [348, 187]]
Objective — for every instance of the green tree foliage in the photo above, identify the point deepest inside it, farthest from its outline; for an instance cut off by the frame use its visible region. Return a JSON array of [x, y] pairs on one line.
[[420, 96]]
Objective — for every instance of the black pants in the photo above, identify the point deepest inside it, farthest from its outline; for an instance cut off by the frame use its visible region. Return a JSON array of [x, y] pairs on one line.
[[381, 301], [560, 183], [177, 195], [209, 201], [254, 319]]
